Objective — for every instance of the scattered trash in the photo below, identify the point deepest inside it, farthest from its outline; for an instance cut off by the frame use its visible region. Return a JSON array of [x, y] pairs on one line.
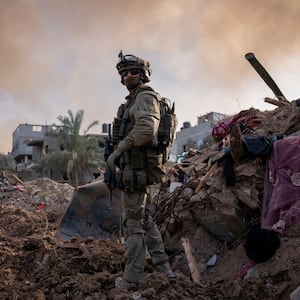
[[212, 261]]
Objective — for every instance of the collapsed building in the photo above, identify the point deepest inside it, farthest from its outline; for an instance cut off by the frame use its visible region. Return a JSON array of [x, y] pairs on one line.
[[226, 197]]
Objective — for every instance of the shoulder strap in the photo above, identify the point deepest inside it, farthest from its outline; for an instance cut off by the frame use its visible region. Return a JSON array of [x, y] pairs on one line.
[[149, 91]]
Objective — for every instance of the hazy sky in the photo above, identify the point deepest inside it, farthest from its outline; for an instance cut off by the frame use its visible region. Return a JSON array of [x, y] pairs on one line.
[[57, 55]]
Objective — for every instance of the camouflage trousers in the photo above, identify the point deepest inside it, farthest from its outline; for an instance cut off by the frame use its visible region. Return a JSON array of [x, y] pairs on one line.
[[140, 233]]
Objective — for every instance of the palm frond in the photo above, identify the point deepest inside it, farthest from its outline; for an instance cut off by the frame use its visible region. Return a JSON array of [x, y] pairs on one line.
[[80, 153]]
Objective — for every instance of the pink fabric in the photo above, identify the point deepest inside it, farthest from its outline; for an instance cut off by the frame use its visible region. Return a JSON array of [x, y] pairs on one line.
[[222, 128], [281, 200], [247, 118], [243, 271]]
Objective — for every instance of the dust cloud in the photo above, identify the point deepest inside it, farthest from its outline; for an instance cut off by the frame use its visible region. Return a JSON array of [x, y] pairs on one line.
[[59, 55]]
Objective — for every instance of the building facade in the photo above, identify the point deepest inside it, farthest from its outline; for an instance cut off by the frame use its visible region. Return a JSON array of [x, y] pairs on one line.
[[27, 144], [31, 144], [196, 136]]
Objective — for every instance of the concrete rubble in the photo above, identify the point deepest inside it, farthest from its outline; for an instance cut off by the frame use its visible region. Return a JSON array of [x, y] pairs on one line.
[[221, 209]]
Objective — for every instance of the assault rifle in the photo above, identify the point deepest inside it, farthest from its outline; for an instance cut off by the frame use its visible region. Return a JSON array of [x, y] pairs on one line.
[[109, 176]]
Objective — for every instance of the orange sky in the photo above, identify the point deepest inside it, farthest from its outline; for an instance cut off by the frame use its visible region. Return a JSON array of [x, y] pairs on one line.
[[58, 55]]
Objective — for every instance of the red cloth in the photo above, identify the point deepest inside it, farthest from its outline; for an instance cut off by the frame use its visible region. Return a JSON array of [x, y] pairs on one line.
[[243, 271], [246, 118]]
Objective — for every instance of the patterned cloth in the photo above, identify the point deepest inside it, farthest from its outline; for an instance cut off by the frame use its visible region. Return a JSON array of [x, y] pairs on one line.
[[247, 119], [281, 202]]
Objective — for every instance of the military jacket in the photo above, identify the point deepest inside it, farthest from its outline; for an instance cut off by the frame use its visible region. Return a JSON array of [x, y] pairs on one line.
[[142, 120]]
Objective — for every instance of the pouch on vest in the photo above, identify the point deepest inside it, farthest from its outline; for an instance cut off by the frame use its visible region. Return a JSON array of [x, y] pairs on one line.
[[134, 180], [156, 171], [137, 159]]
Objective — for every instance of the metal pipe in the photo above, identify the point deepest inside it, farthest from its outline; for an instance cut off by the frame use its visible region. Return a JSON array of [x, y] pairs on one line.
[[264, 75]]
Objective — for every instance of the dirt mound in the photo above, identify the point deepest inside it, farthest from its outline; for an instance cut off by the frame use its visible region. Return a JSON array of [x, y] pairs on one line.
[[34, 266]]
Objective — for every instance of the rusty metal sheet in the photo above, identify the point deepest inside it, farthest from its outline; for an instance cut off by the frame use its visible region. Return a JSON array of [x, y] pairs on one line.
[[90, 213]]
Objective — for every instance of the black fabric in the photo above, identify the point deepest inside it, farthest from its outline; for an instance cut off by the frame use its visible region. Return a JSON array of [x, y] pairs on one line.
[[257, 145], [229, 173], [261, 244]]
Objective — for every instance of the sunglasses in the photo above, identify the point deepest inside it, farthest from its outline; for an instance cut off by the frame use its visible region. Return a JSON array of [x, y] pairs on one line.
[[132, 72]]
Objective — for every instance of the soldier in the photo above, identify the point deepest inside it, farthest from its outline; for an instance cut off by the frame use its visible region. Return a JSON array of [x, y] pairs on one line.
[[137, 164]]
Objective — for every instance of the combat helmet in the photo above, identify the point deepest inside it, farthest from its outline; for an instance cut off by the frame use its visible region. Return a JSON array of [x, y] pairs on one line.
[[130, 61]]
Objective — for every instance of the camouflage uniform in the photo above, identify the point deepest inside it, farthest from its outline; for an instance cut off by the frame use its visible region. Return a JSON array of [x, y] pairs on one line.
[[139, 229], [139, 165]]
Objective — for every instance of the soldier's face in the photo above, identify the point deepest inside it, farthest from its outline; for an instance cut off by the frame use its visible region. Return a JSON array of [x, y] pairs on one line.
[[131, 78]]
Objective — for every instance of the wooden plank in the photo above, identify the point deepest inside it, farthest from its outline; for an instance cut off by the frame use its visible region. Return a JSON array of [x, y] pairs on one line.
[[276, 102], [206, 176], [192, 262]]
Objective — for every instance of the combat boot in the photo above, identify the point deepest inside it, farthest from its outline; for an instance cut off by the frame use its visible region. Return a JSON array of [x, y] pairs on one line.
[[165, 269], [125, 286]]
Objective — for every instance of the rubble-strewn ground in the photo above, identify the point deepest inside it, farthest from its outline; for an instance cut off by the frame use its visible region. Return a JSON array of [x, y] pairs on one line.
[[34, 266]]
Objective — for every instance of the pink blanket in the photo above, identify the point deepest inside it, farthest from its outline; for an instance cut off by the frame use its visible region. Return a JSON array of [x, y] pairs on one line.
[[281, 202]]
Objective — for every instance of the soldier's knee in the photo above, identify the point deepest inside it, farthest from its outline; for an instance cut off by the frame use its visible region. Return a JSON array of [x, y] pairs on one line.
[[133, 229]]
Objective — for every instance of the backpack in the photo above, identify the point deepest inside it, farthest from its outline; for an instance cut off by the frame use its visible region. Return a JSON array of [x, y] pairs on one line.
[[167, 127], [157, 158]]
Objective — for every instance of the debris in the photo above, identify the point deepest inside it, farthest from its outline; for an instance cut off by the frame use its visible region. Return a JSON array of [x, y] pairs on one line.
[[205, 178], [193, 266], [275, 102], [295, 295], [212, 261]]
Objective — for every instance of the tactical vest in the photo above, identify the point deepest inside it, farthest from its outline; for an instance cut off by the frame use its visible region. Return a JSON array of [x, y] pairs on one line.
[[140, 166]]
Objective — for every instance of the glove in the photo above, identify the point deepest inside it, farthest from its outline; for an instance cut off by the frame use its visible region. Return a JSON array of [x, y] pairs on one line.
[[112, 158]]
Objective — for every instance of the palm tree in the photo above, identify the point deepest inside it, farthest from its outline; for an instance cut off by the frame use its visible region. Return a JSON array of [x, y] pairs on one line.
[[6, 162], [78, 154]]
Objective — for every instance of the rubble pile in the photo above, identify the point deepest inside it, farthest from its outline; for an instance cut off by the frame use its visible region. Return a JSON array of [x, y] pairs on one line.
[[202, 192], [201, 196], [31, 194], [203, 221]]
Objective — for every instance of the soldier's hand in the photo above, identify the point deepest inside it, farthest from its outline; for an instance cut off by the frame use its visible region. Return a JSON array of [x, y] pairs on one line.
[[111, 161]]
